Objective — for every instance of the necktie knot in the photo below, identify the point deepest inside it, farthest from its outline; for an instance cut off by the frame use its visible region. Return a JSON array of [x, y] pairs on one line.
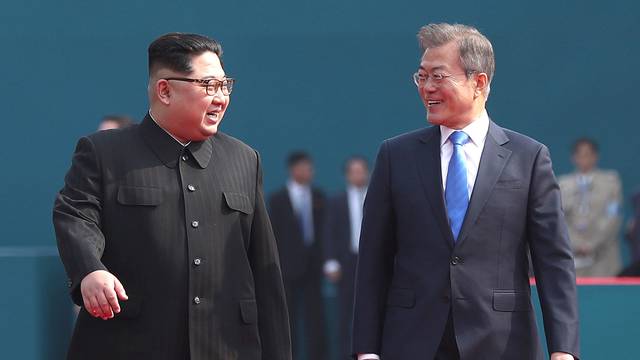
[[459, 137]]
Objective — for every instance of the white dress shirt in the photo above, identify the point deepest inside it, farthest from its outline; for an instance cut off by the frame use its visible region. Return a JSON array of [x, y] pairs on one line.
[[355, 198], [355, 202], [298, 193], [477, 131]]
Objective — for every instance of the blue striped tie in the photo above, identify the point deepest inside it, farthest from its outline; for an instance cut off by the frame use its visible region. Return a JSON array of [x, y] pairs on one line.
[[456, 193]]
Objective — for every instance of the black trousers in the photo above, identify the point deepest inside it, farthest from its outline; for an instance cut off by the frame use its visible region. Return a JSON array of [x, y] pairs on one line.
[[448, 349]]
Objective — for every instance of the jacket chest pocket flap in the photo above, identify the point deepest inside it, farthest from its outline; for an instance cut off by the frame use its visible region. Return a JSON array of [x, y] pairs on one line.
[[141, 196], [239, 202], [249, 311]]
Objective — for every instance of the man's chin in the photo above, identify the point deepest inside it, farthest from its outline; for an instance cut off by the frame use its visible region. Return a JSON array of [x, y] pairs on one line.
[[434, 120], [210, 131]]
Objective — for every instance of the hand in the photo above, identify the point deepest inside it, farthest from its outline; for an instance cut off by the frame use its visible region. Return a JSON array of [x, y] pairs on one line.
[[561, 356], [584, 250], [333, 276], [100, 293]]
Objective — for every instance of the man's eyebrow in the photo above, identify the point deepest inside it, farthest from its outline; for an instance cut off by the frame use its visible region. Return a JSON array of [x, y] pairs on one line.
[[433, 68], [210, 77]]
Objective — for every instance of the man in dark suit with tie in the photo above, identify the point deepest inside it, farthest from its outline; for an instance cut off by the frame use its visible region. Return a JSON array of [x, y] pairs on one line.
[[450, 214], [163, 230], [297, 215], [342, 234]]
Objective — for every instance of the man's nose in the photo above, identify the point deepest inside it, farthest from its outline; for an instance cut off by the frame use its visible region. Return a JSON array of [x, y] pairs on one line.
[[218, 97], [429, 85]]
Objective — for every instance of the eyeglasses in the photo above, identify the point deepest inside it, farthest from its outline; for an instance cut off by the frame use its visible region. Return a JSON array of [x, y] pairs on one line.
[[436, 78], [212, 85]]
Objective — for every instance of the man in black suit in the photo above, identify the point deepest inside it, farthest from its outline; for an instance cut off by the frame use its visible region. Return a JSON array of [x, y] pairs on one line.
[[163, 230], [450, 214], [342, 234], [297, 215]]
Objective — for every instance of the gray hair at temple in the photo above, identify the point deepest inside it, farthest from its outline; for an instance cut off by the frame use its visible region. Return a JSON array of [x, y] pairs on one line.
[[476, 52]]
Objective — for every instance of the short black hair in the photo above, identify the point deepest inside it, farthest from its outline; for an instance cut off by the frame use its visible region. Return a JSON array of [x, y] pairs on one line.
[[354, 158], [123, 121], [585, 141], [174, 51], [296, 157]]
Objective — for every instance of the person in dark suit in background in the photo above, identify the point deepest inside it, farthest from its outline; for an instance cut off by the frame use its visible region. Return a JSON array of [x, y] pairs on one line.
[[342, 234], [297, 215], [632, 235], [163, 230], [449, 216]]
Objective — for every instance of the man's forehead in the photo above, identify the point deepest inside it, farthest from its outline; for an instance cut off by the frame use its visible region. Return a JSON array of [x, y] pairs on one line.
[[207, 65], [439, 58]]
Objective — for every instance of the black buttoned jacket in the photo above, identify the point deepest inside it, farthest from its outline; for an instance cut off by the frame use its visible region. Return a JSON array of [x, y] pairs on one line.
[[186, 232]]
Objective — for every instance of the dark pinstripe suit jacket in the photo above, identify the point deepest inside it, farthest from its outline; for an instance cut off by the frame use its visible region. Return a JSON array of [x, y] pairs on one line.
[[187, 233]]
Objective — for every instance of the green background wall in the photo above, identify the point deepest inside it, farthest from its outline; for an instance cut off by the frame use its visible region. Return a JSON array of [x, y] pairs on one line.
[[332, 77]]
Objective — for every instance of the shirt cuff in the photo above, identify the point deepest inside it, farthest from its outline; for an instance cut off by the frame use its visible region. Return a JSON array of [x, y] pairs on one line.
[[368, 357]]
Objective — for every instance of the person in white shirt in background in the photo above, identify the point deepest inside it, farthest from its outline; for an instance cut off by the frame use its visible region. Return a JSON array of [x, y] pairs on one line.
[[342, 234]]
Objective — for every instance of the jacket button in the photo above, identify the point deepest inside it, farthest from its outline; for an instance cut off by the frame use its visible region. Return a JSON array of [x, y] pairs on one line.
[[185, 157], [191, 188], [196, 300], [194, 224], [446, 298], [197, 261], [456, 260]]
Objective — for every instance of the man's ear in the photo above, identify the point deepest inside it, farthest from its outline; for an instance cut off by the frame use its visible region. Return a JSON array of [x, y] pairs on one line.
[[163, 91], [482, 82]]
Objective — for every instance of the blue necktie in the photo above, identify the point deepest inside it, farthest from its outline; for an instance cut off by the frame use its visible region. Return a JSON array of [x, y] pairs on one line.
[[456, 193]]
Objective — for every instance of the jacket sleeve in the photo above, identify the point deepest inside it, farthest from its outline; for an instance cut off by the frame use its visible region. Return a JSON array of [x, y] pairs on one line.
[[375, 259], [76, 217], [273, 318], [552, 258]]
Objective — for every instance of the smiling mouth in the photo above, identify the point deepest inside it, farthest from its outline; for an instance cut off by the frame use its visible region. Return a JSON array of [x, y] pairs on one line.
[[433, 102]]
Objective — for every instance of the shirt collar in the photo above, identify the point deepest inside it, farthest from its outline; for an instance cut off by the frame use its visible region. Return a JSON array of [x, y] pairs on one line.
[[355, 189], [477, 130], [169, 150], [165, 130], [296, 187]]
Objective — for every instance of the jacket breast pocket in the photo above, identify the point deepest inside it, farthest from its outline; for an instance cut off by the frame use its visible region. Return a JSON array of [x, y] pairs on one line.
[[511, 301], [238, 202], [508, 184], [139, 196], [404, 298]]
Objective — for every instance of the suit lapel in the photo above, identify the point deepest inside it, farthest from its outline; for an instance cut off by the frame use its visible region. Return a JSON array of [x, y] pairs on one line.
[[494, 157], [428, 161]]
